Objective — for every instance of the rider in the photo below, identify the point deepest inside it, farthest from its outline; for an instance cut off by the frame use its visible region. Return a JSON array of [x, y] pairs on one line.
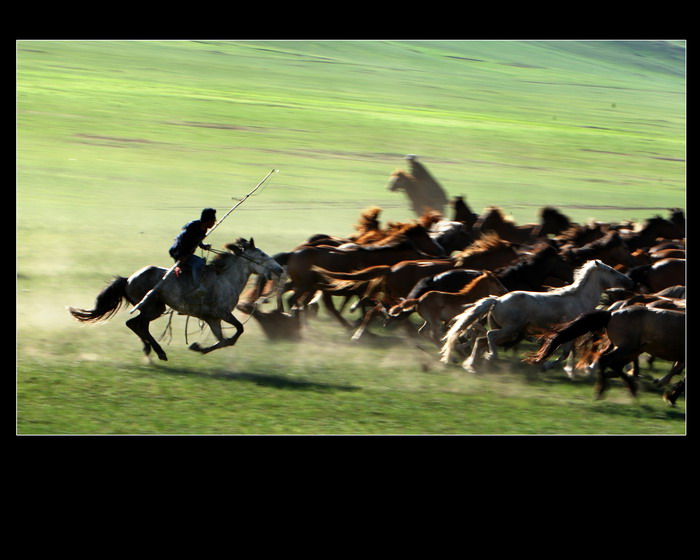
[[186, 243]]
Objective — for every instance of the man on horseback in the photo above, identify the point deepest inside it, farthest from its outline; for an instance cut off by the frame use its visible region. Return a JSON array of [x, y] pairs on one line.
[[186, 243]]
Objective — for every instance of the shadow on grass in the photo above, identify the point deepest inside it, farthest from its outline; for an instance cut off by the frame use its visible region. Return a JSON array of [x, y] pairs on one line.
[[263, 380]]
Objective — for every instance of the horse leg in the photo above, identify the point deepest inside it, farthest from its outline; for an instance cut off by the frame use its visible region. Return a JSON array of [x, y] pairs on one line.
[[328, 300], [566, 352], [676, 368], [139, 325], [671, 396], [615, 360], [480, 346], [365, 322], [215, 326]]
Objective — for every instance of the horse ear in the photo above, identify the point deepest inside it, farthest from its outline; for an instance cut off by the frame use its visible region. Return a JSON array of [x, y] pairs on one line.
[[252, 243]]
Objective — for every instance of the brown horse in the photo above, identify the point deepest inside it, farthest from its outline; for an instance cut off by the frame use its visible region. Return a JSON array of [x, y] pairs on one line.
[[411, 242], [493, 221], [439, 308], [652, 230], [663, 274], [552, 222], [423, 191], [631, 331], [462, 212], [610, 249], [389, 283]]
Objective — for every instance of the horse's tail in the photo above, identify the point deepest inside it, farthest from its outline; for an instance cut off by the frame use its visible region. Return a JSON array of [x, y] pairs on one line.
[[362, 275], [108, 302], [588, 322], [365, 281], [472, 313]]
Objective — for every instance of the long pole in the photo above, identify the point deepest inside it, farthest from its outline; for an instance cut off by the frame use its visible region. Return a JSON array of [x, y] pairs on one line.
[[169, 271]]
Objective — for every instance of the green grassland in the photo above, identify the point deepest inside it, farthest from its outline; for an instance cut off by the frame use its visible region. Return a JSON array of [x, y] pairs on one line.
[[120, 143]]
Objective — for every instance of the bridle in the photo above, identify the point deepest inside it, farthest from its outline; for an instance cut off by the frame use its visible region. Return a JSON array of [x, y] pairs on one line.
[[241, 254]]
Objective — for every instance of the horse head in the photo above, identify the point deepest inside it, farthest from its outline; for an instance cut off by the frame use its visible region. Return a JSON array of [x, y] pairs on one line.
[[399, 180], [260, 262]]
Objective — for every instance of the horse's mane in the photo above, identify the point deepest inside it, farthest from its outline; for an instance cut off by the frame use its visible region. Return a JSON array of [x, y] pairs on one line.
[[485, 276], [575, 233], [221, 259], [496, 213], [429, 218], [540, 252], [548, 213], [368, 220], [612, 239], [490, 242], [580, 274]]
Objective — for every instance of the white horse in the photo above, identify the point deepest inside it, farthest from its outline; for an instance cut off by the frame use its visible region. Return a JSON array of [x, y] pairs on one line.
[[224, 279], [515, 313]]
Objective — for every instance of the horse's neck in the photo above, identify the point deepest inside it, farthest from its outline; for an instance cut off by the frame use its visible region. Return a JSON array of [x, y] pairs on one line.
[[236, 275], [589, 288]]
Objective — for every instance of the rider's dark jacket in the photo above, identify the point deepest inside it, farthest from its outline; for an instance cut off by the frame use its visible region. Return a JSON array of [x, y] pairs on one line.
[[188, 240]]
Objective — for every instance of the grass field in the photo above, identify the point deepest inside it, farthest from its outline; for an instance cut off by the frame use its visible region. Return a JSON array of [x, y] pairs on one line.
[[120, 143]]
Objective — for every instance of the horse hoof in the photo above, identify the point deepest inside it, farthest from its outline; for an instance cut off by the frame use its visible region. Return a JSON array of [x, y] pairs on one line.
[[195, 347]]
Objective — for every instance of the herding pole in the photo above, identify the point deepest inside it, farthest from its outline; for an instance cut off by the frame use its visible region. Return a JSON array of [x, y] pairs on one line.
[[160, 282]]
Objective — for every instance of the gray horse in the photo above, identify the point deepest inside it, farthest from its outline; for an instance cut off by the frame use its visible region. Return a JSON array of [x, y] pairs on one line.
[[224, 280]]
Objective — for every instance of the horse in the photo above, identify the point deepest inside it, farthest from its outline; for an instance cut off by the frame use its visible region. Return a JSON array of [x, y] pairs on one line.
[[423, 191], [438, 308], [494, 221], [530, 274], [611, 249], [653, 229], [519, 312], [451, 235], [304, 265], [552, 222], [631, 330], [389, 283], [224, 279], [658, 276], [462, 212]]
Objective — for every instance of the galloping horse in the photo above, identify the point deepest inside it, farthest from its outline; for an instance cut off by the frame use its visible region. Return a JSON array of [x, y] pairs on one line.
[[303, 266], [519, 312], [424, 192], [493, 221], [662, 274], [462, 213], [611, 249], [224, 280], [632, 330]]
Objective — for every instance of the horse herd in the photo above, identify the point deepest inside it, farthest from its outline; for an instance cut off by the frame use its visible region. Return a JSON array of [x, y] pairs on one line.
[[605, 293]]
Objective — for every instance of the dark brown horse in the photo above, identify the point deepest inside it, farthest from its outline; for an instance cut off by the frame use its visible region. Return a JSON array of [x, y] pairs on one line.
[[610, 249], [552, 222], [663, 274], [438, 308], [411, 242], [652, 230], [462, 212], [396, 281], [493, 221], [631, 331]]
